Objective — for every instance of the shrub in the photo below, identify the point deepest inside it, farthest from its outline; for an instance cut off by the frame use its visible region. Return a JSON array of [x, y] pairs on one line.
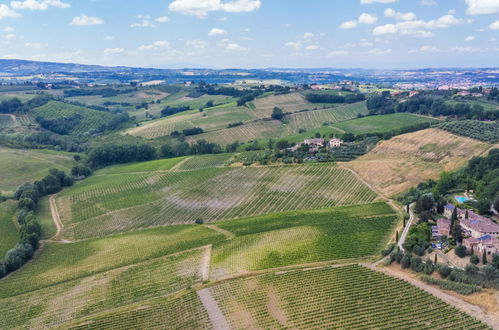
[[474, 259], [460, 251]]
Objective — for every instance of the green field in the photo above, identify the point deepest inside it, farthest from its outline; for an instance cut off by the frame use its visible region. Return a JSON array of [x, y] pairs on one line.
[[8, 231], [349, 297], [113, 203], [19, 166], [382, 124], [90, 119], [44, 216], [54, 305], [59, 263], [6, 121], [302, 237]]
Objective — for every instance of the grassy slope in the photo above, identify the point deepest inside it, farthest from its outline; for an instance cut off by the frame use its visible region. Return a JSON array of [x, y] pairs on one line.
[[395, 165], [381, 124], [44, 216], [8, 231], [20, 166], [108, 204]]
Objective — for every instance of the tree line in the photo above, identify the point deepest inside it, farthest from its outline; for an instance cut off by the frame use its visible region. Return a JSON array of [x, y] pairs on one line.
[[333, 98]]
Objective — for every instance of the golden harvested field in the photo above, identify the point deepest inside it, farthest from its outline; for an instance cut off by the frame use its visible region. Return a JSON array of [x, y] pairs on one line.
[[402, 162], [287, 102]]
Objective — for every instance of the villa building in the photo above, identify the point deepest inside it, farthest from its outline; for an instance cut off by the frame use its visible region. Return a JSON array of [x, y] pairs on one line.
[[473, 224], [487, 243], [335, 142]]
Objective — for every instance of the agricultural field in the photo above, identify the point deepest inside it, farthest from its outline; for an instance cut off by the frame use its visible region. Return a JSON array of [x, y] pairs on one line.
[[8, 231], [6, 121], [382, 124], [302, 237], [395, 165], [103, 205], [90, 119], [348, 297], [483, 131], [52, 306], [204, 161], [291, 125], [21, 166], [59, 263]]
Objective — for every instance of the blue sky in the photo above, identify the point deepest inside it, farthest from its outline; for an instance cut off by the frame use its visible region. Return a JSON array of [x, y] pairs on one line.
[[253, 33]]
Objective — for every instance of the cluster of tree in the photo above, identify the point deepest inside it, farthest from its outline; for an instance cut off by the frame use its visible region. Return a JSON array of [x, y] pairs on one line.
[[334, 98], [104, 92], [244, 95], [484, 131], [187, 132], [123, 104], [169, 110], [30, 231], [179, 149], [239, 123], [62, 125], [493, 95], [113, 153], [385, 103], [277, 113], [15, 105]]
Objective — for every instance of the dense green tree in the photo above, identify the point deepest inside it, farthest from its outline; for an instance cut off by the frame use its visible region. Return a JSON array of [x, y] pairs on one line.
[[277, 113]]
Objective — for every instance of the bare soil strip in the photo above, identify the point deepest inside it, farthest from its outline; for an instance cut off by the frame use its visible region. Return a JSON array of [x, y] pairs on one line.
[[205, 263], [215, 314], [226, 233]]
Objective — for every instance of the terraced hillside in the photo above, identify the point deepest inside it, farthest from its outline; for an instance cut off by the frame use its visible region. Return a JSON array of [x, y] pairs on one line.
[[395, 165], [111, 203], [20, 166]]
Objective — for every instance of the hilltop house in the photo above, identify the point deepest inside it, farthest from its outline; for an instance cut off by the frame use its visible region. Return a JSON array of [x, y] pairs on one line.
[[487, 243], [474, 225], [443, 227], [335, 142], [313, 145]]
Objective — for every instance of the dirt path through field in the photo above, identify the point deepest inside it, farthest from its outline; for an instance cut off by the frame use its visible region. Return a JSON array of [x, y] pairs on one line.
[[226, 233], [217, 318], [205, 263], [57, 221], [472, 310]]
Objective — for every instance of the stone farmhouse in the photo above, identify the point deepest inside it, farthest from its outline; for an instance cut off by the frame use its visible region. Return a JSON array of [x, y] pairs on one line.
[[474, 224], [488, 244], [442, 228], [314, 145]]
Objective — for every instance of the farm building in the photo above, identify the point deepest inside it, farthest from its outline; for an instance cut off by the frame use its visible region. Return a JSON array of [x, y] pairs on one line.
[[335, 142], [473, 224], [487, 243], [443, 227]]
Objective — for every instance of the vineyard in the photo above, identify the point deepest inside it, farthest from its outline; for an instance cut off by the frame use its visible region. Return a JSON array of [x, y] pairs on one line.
[[293, 124], [20, 166], [6, 121], [204, 161], [90, 119], [382, 124], [302, 237], [108, 290], [60, 263], [293, 102], [395, 165], [488, 132], [348, 297], [109, 204]]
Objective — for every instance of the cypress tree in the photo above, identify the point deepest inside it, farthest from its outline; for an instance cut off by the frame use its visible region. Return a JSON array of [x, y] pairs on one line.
[[484, 257], [466, 216], [397, 236], [435, 261]]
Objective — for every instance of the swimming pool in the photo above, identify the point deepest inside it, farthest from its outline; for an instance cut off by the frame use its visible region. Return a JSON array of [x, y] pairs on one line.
[[461, 199]]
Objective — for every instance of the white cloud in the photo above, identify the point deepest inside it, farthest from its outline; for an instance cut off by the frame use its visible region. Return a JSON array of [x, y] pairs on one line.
[[217, 32], [198, 44], [109, 38], [231, 46], [84, 20], [144, 24], [113, 51], [306, 35], [349, 25], [425, 49], [5, 11], [494, 25], [8, 29], [365, 18], [34, 45], [201, 8], [377, 51], [368, 2], [39, 4], [338, 53], [428, 3], [293, 44], [417, 28], [410, 16], [155, 45], [10, 36], [469, 38], [462, 49], [482, 7], [162, 19], [312, 47]]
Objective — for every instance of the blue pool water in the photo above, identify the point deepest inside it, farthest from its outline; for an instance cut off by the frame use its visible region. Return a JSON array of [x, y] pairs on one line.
[[461, 199]]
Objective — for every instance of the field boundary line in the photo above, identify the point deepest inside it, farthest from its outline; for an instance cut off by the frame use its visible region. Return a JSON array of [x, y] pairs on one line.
[[217, 318], [57, 221]]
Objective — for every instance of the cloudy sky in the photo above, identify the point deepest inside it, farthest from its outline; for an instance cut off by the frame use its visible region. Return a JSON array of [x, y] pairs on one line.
[[253, 33]]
